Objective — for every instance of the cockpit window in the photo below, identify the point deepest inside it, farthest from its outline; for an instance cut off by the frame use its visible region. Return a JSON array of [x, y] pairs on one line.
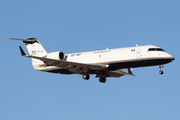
[[155, 49], [152, 49], [159, 49]]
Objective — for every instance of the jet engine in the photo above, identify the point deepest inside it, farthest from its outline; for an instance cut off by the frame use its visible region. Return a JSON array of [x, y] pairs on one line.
[[56, 55]]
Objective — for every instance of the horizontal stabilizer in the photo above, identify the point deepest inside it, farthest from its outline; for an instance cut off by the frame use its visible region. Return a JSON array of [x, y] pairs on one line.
[[22, 51], [24, 40]]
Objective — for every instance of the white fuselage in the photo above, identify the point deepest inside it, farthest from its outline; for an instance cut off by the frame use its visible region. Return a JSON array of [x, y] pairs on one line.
[[114, 59], [118, 55]]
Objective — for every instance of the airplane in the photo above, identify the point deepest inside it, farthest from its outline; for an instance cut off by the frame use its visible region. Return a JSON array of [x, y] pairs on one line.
[[103, 63]]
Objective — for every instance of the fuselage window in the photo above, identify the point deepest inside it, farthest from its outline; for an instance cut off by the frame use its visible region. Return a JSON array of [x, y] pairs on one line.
[[155, 49]]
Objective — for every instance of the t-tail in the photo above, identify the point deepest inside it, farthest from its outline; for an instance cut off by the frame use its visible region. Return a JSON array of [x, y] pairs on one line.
[[34, 48]]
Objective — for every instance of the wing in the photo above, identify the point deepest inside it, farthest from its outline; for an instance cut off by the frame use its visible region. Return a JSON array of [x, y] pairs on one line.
[[78, 68], [117, 73], [74, 66], [65, 64]]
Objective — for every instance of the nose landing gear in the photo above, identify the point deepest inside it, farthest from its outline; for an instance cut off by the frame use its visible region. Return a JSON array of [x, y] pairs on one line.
[[161, 72]]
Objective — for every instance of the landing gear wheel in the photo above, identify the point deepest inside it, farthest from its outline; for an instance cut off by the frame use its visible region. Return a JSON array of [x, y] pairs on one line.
[[86, 76], [161, 72], [102, 79]]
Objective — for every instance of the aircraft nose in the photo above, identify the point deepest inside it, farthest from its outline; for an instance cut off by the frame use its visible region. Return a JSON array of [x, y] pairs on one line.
[[172, 58]]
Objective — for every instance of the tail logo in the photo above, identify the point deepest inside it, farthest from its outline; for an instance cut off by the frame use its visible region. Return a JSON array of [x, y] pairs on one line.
[[34, 52]]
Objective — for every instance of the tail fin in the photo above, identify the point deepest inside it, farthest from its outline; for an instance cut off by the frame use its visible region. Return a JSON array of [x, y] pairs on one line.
[[34, 48]]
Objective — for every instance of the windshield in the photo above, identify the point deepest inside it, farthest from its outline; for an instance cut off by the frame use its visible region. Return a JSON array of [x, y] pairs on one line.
[[156, 49]]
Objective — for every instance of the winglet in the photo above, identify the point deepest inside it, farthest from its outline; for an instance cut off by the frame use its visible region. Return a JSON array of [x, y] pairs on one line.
[[22, 51], [130, 71]]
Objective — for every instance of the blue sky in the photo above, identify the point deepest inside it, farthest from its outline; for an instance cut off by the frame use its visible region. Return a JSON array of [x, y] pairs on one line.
[[76, 26]]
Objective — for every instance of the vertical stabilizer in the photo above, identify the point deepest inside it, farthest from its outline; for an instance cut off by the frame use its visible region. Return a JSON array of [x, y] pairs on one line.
[[34, 48]]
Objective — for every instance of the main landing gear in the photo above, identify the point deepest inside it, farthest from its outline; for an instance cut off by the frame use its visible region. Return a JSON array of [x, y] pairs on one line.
[[102, 79], [161, 72], [86, 76]]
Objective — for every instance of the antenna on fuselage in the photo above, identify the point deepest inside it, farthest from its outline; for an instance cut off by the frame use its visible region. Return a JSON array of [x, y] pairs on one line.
[[137, 45]]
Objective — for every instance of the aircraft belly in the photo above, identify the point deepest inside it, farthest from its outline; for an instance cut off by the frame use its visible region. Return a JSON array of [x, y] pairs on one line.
[[139, 63]]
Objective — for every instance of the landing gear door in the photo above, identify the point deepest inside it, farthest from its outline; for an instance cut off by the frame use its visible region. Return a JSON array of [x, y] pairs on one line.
[[138, 54]]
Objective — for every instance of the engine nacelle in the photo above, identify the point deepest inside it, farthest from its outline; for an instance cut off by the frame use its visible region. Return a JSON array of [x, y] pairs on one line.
[[56, 55]]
